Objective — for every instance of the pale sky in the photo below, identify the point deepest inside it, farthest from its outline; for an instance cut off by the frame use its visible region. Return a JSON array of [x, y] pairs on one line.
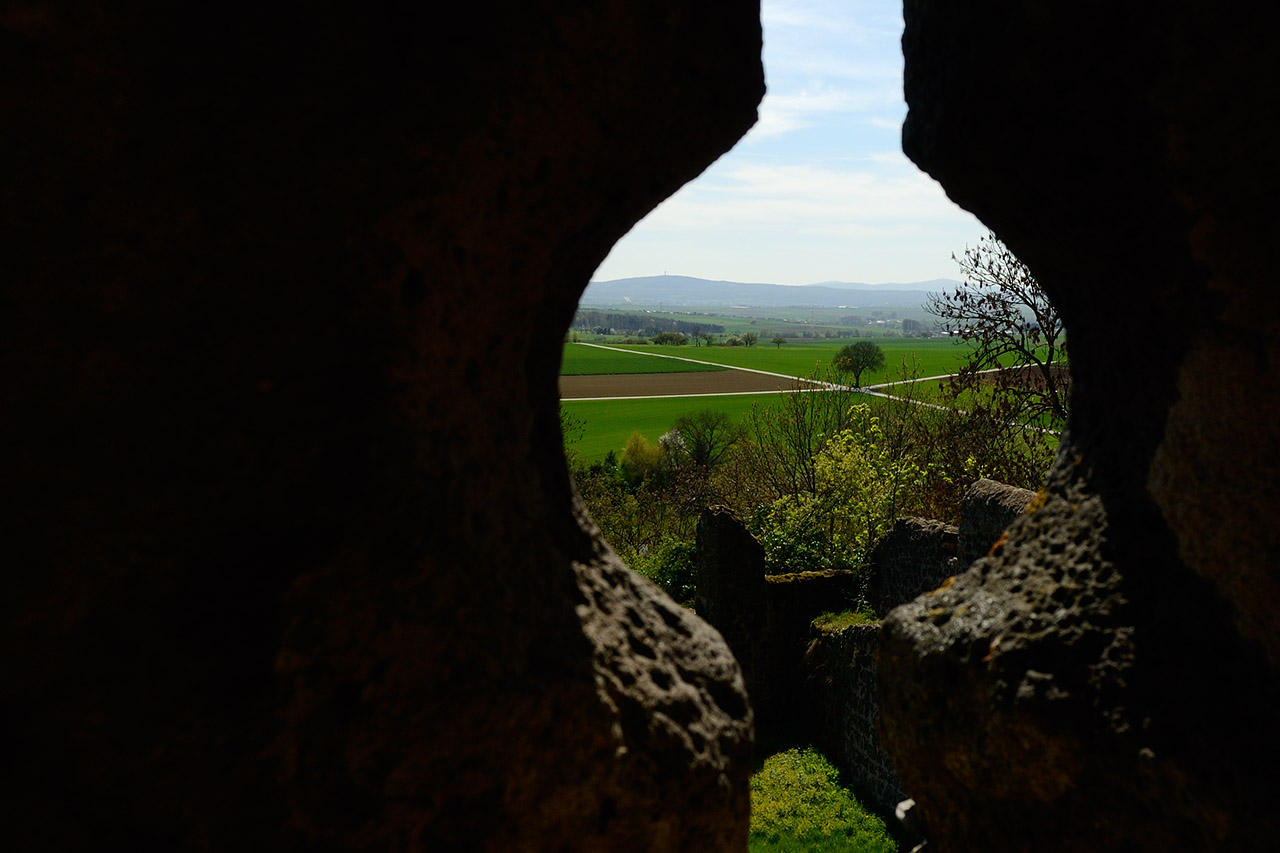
[[819, 190]]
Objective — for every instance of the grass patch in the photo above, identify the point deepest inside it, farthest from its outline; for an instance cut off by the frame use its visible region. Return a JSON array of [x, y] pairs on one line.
[[836, 621], [607, 424], [797, 803], [580, 360]]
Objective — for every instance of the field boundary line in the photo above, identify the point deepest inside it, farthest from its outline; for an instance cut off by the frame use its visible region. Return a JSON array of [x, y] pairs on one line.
[[877, 390], [697, 361], [702, 394]]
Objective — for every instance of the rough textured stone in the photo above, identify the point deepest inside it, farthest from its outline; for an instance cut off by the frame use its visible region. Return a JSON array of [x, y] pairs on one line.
[[732, 597], [840, 678], [765, 619], [1107, 679], [915, 556], [295, 560], [986, 510]]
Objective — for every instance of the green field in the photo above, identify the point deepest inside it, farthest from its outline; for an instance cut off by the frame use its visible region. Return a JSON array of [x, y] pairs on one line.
[[936, 356], [609, 423], [582, 360]]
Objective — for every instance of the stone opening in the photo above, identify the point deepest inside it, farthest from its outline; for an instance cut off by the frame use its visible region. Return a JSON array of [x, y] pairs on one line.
[[291, 551]]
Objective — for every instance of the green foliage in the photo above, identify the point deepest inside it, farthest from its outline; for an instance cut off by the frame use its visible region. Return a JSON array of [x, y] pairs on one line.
[[859, 488], [795, 543], [797, 803], [955, 448], [672, 338], [857, 358], [703, 438], [671, 566], [786, 434], [636, 515], [642, 460], [837, 620]]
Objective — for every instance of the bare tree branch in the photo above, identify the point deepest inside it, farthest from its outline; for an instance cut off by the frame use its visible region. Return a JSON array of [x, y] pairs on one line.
[[1001, 311]]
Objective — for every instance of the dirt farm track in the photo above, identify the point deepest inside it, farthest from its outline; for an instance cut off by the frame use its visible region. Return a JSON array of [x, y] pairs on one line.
[[673, 384]]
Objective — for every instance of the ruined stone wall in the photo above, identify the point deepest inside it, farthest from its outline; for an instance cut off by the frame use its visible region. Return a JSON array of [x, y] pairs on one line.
[[840, 673], [915, 555], [818, 685], [764, 618], [986, 511], [913, 558]]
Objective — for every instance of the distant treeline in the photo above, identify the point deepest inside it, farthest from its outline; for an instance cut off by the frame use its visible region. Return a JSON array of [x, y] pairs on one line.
[[646, 325]]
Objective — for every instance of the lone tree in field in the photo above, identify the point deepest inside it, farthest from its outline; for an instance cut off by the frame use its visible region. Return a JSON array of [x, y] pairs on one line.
[[857, 358], [1001, 311], [778, 341]]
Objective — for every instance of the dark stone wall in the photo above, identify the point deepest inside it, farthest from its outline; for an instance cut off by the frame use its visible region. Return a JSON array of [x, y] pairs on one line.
[[840, 687], [292, 556], [1049, 699], [732, 597], [986, 511], [764, 619], [914, 557]]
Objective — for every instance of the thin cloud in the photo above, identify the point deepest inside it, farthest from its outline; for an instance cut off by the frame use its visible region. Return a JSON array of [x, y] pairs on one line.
[[784, 113], [806, 199], [817, 190]]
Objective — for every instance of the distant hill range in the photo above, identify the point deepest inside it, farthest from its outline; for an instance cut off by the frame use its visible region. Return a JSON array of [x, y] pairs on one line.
[[681, 290]]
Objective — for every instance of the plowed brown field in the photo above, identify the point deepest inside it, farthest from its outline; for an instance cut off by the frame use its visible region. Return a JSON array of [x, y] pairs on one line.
[[674, 384]]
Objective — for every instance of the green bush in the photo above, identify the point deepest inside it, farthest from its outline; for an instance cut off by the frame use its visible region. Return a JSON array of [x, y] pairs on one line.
[[671, 566], [858, 488], [797, 803]]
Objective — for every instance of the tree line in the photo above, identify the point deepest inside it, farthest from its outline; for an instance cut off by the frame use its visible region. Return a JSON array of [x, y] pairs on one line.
[[601, 322]]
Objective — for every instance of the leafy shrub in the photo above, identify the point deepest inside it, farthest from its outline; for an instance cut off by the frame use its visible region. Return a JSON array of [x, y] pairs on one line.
[[671, 566], [859, 488], [794, 542], [642, 460]]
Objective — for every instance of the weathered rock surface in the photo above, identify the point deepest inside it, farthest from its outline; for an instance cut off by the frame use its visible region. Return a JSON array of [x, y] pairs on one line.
[[915, 556], [986, 511], [1107, 678], [839, 691], [293, 560]]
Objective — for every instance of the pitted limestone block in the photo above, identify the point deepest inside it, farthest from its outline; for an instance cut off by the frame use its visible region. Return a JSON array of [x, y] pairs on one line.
[[986, 509], [679, 710], [1039, 690]]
